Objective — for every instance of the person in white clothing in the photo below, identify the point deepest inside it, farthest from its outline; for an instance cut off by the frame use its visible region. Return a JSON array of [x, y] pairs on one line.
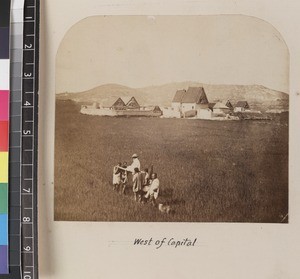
[[135, 163], [153, 191], [116, 177]]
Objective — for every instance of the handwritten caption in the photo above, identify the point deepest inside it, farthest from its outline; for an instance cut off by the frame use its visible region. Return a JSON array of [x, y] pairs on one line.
[[168, 242]]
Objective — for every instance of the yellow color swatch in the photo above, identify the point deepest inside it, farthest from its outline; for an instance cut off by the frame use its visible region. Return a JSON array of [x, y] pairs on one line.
[[3, 167]]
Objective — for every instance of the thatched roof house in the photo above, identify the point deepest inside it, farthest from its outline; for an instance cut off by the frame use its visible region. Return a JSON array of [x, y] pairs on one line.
[[220, 107], [178, 96], [241, 106], [131, 103], [229, 104], [118, 104], [195, 95], [192, 99]]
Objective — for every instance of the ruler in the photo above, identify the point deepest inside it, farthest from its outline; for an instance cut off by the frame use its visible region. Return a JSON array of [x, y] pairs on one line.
[[29, 137], [24, 54]]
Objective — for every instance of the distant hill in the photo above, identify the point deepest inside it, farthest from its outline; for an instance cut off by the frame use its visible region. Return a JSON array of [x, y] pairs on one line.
[[102, 94], [258, 96]]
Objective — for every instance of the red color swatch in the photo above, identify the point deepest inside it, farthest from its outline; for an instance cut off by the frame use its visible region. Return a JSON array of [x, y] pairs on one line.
[[4, 136]]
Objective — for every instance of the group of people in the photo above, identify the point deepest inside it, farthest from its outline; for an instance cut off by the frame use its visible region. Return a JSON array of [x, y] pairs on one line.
[[145, 184]]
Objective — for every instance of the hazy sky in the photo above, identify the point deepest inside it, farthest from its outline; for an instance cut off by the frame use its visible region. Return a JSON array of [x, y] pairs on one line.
[[140, 51]]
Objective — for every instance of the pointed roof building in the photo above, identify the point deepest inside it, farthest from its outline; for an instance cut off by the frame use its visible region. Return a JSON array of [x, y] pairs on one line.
[[229, 104], [118, 104], [242, 104], [131, 103], [178, 96], [194, 95]]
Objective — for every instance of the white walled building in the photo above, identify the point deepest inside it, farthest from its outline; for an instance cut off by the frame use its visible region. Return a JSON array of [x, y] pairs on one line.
[[193, 99], [176, 103]]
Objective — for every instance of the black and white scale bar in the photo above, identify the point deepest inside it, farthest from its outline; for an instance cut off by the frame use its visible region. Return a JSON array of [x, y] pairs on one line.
[[29, 256]]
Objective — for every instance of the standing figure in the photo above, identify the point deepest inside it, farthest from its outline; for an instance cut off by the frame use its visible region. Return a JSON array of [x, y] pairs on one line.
[[124, 181], [137, 184], [116, 177], [145, 182], [135, 163], [153, 191], [146, 177]]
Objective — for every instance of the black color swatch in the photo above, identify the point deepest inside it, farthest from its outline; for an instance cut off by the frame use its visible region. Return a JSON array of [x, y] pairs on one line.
[[4, 13]]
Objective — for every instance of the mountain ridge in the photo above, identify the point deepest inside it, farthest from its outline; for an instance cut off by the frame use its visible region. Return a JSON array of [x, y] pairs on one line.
[[258, 96]]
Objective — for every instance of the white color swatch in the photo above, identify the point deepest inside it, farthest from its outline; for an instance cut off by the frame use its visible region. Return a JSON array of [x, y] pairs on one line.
[[4, 74]]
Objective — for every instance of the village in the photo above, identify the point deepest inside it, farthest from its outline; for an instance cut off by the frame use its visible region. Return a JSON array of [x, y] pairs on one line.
[[192, 103]]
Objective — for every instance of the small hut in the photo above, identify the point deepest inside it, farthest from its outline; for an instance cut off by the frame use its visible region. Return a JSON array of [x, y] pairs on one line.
[[241, 106], [220, 108], [118, 104], [131, 103]]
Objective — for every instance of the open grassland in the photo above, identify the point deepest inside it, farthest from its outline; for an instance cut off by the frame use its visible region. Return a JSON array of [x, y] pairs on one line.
[[210, 171]]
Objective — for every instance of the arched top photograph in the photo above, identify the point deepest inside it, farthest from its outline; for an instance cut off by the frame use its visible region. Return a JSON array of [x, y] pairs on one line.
[[172, 119]]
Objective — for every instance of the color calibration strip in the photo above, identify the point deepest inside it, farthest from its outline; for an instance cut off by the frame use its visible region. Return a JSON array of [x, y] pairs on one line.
[[4, 130], [16, 69]]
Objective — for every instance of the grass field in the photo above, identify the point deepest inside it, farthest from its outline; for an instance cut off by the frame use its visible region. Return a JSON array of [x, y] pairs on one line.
[[210, 171]]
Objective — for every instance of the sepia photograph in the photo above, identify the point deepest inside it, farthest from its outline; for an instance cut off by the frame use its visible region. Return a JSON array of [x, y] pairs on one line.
[[172, 119]]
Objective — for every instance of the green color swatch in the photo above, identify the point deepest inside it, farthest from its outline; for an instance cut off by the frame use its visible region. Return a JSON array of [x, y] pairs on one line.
[[3, 198]]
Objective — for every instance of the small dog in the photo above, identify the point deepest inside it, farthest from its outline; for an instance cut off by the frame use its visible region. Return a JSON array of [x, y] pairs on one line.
[[164, 208]]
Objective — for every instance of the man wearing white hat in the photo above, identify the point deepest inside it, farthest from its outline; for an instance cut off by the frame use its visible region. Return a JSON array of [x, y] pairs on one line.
[[135, 163]]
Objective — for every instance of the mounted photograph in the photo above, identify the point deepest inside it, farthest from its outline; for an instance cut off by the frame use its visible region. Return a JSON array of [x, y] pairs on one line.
[[172, 119]]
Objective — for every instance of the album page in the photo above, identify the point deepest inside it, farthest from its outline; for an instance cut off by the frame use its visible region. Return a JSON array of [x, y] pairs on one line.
[[168, 139]]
